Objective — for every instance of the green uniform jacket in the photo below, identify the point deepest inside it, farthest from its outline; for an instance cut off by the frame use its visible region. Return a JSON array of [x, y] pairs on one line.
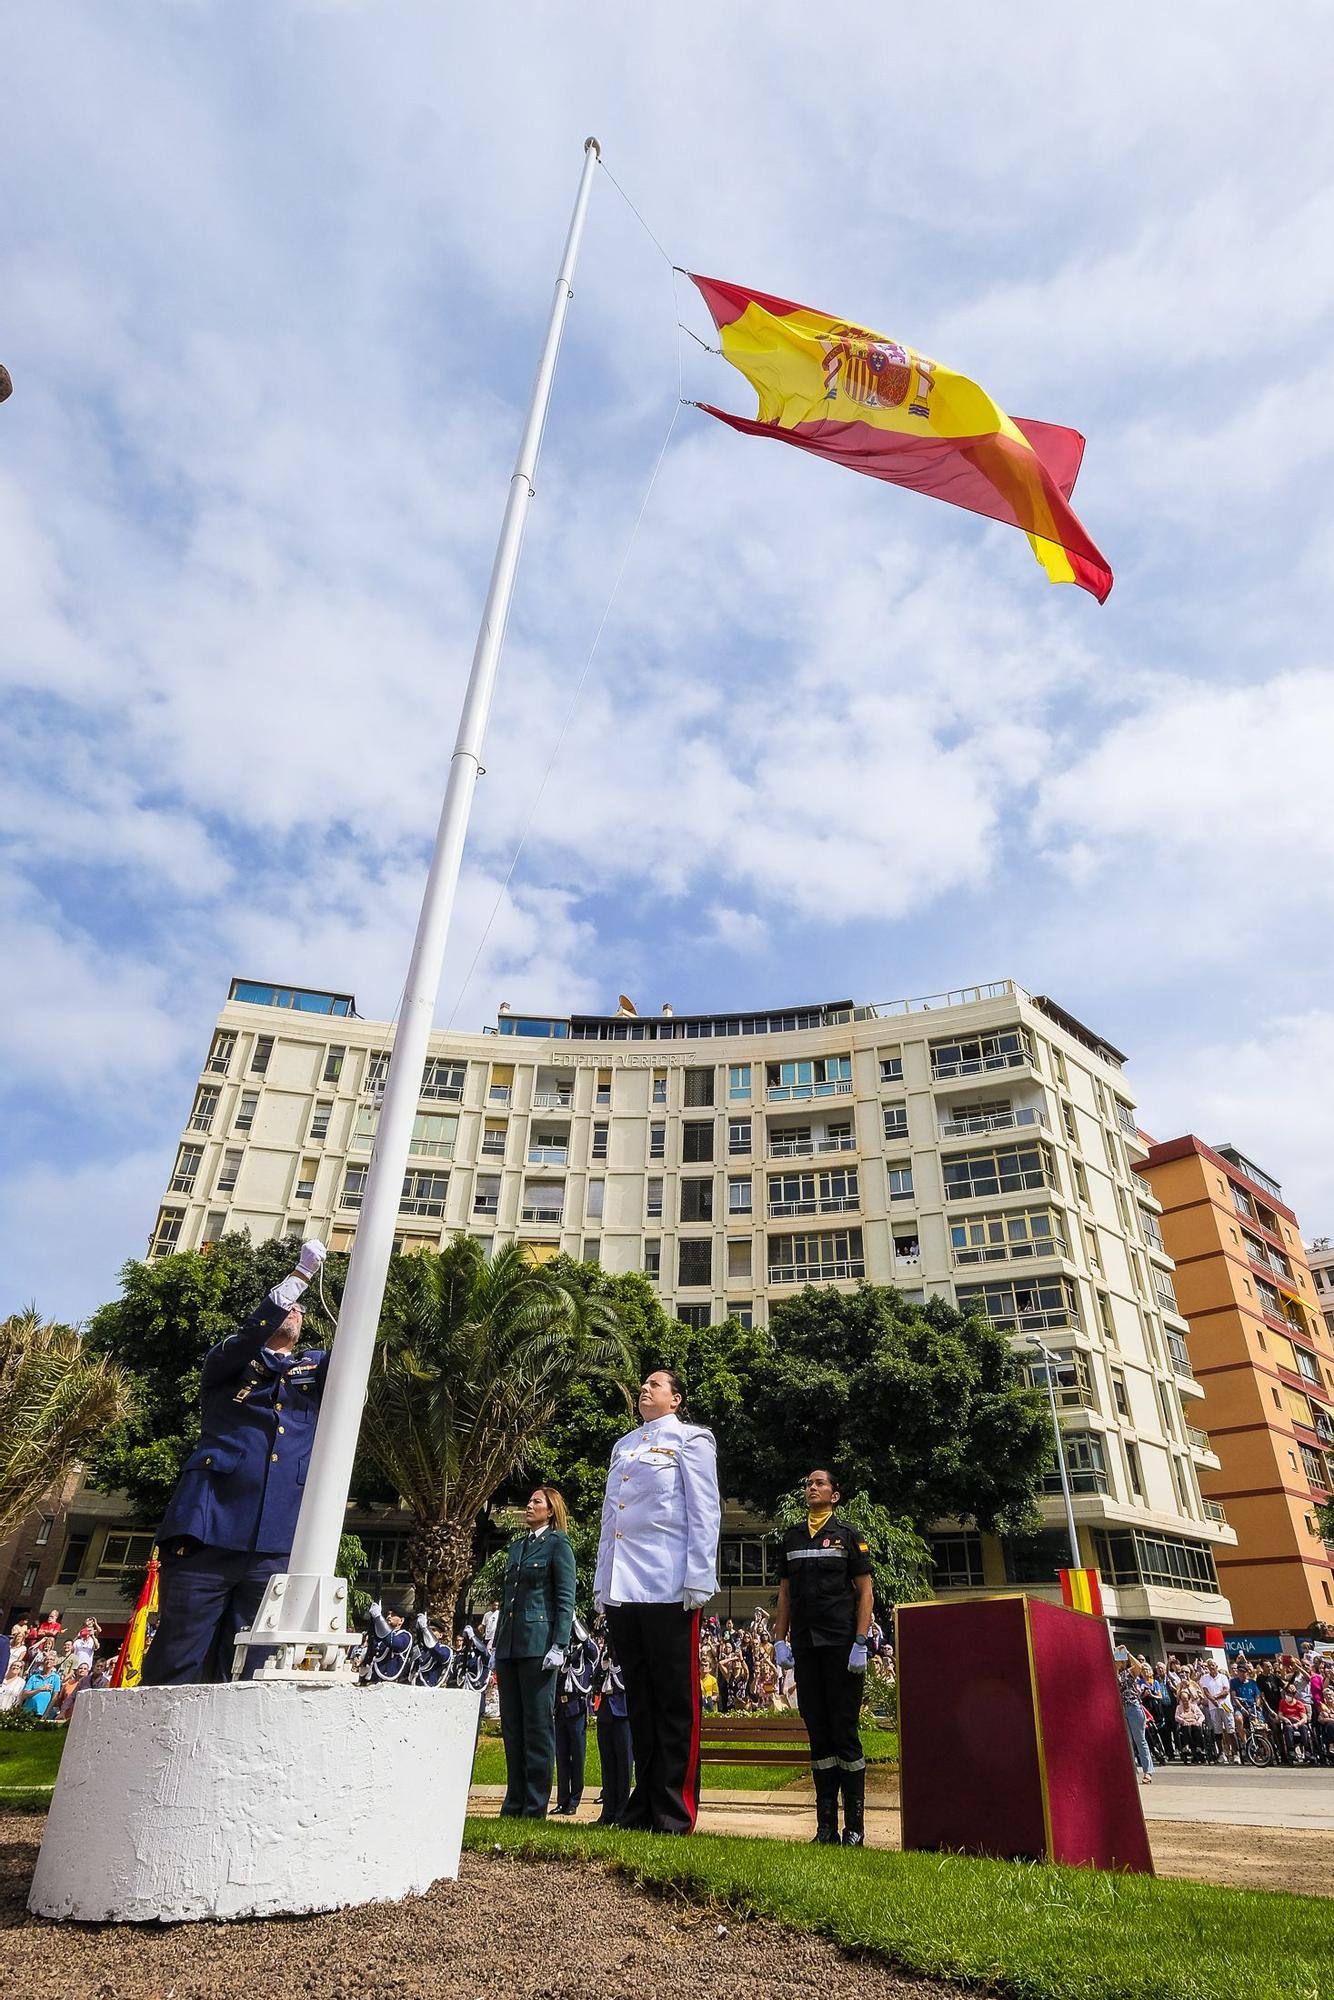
[[537, 1597]]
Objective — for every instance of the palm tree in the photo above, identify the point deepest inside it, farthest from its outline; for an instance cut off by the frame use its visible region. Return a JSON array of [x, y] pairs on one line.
[[473, 1359], [55, 1399]]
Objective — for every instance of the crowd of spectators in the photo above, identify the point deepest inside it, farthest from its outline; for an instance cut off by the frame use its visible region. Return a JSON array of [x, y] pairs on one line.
[[739, 1673], [46, 1671], [1275, 1709]]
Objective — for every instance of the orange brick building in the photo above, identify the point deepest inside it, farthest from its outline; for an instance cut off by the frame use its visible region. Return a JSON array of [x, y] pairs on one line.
[[1260, 1347]]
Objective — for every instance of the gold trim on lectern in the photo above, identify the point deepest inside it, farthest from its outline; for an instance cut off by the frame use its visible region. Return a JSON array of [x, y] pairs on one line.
[[1037, 1729]]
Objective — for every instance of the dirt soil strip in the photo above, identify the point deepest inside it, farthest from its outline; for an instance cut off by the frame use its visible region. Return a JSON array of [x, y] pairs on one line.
[[506, 1930]]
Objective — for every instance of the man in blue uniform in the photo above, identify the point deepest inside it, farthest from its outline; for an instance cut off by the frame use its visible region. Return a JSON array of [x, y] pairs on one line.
[[574, 1689], [229, 1524]]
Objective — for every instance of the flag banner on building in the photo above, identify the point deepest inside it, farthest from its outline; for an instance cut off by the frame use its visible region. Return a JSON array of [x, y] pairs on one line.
[[129, 1668], [868, 402], [1081, 1590]]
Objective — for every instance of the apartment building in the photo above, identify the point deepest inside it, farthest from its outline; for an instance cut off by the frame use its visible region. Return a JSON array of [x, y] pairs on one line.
[[1320, 1263], [978, 1145], [1263, 1349]]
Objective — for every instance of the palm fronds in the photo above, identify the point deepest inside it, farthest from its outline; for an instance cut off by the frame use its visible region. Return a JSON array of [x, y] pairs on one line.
[[55, 1399]]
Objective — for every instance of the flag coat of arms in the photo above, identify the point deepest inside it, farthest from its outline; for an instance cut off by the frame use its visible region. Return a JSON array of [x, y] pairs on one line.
[[870, 403]]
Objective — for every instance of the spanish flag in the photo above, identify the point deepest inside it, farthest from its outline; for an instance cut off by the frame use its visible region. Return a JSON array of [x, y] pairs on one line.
[[870, 403], [1081, 1590], [129, 1667]]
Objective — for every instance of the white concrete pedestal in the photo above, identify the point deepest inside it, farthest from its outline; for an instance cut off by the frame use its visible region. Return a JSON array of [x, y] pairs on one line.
[[254, 1799]]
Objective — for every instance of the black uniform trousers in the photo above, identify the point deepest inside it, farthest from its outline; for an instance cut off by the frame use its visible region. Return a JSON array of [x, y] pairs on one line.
[[571, 1751], [829, 1701], [616, 1755], [657, 1646], [204, 1599], [528, 1728]]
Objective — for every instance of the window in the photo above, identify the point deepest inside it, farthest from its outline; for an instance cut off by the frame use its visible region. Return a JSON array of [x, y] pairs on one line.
[[738, 1258], [956, 1562], [697, 1200], [1135, 1469], [29, 1578], [819, 1076], [1125, 1118], [333, 1064], [810, 1193], [377, 1073], [738, 1135], [746, 1562], [738, 1080], [1021, 1232], [602, 1090], [354, 1186], [1058, 1064], [1030, 1306], [657, 1141], [740, 1195], [694, 1261], [500, 1085], [999, 1170], [364, 1126], [549, 1146], [543, 1201], [1105, 1319], [1081, 1181], [486, 1194], [1119, 1396], [228, 1172], [698, 1087], [1093, 1247], [1241, 1201], [659, 1086], [124, 1552], [319, 1124], [1071, 1382], [1135, 1556], [220, 1057], [444, 1080], [434, 1133], [305, 1180], [898, 1173], [907, 1249], [76, 1548], [891, 1065], [599, 1151], [1036, 1558], [697, 1139], [896, 1121], [742, 1310], [188, 1162], [423, 1193], [593, 1203], [1148, 1222], [246, 1109], [259, 1055], [816, 1257], [214, 1224], [1008, 1049], [1162, 1286], [206, 1103], [1068, 1121], [653, 1197], [1314, 1466], [697, 1317], [1085, 1465], [1307, 1365], [653, 1256]]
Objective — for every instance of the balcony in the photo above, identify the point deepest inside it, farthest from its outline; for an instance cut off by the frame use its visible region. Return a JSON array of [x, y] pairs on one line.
[[1056, 1319], [442, 1093], [548, 1156], [1214, 1512], [202, 1121], [1197, 1439], [219, 1065], [422, 1204], [493, 1147], [991, 1121], [1004, 1253], [1179, 1355], [816, 1274], [803, 1093], [796, 1149], [945, 1069], [552, 1100], [825, 1204], [1144, 1190], [538, 1212], [486, 1204], [1125, 1119], [183, 1183], [432, 1149]]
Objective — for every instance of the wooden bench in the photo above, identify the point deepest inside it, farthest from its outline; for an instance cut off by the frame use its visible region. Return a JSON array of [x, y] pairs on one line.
[[754, 1739]]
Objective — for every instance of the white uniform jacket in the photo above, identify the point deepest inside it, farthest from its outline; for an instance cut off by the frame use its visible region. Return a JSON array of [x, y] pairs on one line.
[[661, 1516]]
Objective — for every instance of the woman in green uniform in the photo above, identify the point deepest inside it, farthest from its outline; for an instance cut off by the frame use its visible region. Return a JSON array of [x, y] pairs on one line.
[[536, 1607]]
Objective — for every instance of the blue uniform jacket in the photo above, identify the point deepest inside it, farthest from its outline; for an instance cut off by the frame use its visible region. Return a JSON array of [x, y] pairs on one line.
[[240, 1489]]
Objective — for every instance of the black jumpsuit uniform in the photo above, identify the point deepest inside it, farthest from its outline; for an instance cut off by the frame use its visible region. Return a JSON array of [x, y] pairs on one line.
[[821, 1572]]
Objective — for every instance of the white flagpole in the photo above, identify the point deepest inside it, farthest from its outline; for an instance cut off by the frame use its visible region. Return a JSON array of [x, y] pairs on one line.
[[307, 1606]]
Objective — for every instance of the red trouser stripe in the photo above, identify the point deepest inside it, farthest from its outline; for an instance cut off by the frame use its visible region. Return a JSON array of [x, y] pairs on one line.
[[690, 1790]]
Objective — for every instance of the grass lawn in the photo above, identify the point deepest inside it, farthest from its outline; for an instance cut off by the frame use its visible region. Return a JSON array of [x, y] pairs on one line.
[[1036, 1933], [881, 1745], [29, 1760]]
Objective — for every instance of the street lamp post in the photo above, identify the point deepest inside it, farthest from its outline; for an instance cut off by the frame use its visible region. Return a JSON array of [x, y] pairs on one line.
[[1050, 1365]]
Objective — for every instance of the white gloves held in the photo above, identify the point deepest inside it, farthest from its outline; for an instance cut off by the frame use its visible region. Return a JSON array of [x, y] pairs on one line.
[[375, 1610], [857, 1657], [553, 1657], [693, 1599], [312, 1256]]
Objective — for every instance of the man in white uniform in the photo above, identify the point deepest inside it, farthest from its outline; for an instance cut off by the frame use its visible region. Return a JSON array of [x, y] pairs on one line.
[[657, 1564]]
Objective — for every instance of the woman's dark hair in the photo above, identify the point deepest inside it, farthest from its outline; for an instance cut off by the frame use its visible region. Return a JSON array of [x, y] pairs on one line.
[[835, 1483], [678, 1388]]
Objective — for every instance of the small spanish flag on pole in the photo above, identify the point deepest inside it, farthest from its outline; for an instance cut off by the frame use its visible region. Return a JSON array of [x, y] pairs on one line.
[[129, 1667], [1081, 1590], [879, 407]]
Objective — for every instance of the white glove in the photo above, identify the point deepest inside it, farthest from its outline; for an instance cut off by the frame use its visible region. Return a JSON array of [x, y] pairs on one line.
[[552, 1657], [422, 1625], [375, 1610], [692, 1599], [312, 1256], [783, 1653], [599, 1607], [857, 1657]]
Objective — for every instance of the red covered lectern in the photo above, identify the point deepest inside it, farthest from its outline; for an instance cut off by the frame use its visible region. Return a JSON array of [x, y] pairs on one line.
[[1011, 1737]]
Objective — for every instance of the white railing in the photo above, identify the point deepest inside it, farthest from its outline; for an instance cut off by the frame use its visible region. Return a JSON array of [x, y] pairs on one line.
[[979, 1065], [1126, 1121], [810, 1274], [422, 1205], [486, 1204], [826, 1204], [499, 1093], [990, 1121], [1059, 1319], [1214, 1512], [493, 1149], [1144, 1188], [1197, 1439], [531, 1213], [219, 1065], [182, 1183], [552, 1100], [794, 1149], [995, 1253], [802, 1093], [442, 1093], [202, 1121], [433, 1149], [963, 996], [548, 1156]]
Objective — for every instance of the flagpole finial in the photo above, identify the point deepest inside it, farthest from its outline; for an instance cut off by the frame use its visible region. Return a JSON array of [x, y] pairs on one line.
[[593, 146]]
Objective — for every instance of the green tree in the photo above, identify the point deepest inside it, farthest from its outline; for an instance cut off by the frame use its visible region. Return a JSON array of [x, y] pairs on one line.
[[56, 1397], [158, 1331], [474, 1359], [900, 1558], [921, 1407]]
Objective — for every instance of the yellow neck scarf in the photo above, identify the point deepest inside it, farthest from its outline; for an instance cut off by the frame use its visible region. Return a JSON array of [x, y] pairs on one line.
[[814, 1522]]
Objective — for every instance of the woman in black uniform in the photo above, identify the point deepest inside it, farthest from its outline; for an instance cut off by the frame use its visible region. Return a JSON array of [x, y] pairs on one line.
[[820, 1628]]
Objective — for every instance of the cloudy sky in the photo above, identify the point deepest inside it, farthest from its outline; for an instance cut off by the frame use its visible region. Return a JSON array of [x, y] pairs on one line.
[[272, 281]]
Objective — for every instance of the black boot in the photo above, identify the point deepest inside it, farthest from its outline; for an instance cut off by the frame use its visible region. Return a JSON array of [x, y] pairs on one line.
[[826, 1809], [854, 1808]]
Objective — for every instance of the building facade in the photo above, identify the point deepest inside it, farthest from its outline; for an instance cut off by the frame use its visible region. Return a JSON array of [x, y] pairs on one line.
[[1262, 1348], [978, 1145]]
